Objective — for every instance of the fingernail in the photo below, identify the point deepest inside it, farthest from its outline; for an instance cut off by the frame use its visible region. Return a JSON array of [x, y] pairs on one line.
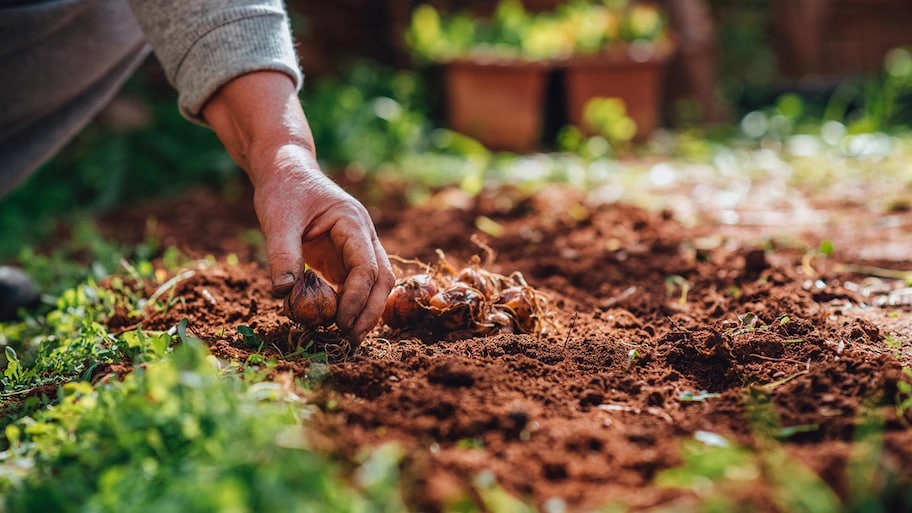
[[283, 281]]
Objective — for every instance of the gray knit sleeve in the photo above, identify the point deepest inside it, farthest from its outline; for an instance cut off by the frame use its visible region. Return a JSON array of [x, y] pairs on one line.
[[203, 44]]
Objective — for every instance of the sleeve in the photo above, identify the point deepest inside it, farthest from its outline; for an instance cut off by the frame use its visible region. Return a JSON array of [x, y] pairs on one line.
[[204, 44]]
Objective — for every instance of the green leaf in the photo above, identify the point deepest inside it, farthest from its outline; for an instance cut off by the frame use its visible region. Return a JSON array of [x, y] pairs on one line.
[[249, 337]]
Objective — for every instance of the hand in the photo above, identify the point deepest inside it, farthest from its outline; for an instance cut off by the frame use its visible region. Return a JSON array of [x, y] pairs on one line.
[[307, 217], [304, 215]]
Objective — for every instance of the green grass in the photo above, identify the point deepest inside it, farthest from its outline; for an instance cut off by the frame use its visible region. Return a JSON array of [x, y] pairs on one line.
[[182, 432]]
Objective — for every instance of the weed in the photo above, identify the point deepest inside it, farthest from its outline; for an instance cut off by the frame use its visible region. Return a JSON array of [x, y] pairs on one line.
[[747, 323], [674, 282], [470, 444], [894, 344], [250, 339], [826, 248], [60, 346], [256, 359], [633, 356], [302, 351]]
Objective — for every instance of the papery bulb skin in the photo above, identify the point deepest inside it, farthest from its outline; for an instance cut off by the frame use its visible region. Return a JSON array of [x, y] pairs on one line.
[[312, 302], [407, 303], [458, 307]]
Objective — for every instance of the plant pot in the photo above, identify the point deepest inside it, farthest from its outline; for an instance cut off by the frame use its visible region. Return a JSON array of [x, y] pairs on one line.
[[613, 74], [500, 103]]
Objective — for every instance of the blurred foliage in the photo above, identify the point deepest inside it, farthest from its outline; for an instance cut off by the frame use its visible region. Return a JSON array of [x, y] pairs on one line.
[[862, 105], [575, 27], [880, 104], [720, 471], [608, 117], [611, 128], [83, 254], [747, 63], [180, 434], [369, 116], [376, 121]]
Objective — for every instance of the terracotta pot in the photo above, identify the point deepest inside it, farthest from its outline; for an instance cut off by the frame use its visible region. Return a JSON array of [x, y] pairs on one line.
[[500, 103], [615, 75]]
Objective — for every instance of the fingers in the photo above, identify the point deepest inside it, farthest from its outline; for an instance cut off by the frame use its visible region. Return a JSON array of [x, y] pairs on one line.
[[336, 235], [376, 302], [358, 256], [286, 263], [369, 279]]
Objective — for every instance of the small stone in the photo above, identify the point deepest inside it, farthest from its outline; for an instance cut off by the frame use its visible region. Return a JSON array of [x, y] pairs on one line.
[[17, 291]]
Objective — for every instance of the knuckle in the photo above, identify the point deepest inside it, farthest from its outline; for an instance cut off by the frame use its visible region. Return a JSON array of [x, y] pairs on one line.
[[370, 271], [280, 256], [387, 279]]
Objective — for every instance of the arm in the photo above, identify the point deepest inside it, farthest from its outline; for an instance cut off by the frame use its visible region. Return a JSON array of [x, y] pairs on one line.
[[304, 215], [234, 66]]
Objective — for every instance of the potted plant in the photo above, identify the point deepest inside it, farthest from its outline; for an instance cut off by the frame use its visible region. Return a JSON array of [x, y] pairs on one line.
[[620, 51], [494, 71]]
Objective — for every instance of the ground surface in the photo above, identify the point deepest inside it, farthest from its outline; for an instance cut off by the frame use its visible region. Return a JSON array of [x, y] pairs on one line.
[[792, 347]]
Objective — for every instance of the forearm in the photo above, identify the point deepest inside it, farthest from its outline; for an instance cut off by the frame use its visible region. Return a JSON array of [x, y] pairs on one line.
[[254, 116], [233, 63]]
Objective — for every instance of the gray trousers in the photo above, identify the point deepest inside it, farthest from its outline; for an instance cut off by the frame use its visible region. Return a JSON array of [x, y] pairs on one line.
[[61, 61]]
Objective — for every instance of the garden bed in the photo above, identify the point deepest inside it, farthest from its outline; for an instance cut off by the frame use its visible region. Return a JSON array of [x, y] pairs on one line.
[[744, 354]]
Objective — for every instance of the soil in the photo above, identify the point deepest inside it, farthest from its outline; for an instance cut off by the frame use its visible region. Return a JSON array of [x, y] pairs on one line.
[[771, 344]]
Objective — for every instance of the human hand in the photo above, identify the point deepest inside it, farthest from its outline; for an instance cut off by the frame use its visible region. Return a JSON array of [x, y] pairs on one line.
[[303, 214], [308, 218]]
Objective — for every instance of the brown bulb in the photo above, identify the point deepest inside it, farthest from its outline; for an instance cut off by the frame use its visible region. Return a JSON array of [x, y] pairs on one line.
[[459, 306], [500, 321], [408, 301], [312, 302], [521, 302], [477, 280]]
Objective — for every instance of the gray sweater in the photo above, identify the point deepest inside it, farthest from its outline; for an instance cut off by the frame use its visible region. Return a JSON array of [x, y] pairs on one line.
[[202, 44], [61, 61]]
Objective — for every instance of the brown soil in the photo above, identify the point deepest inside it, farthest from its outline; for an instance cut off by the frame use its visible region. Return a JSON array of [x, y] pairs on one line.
[[591, 412]]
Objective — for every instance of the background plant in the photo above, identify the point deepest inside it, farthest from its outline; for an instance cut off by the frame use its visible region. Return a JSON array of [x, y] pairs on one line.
[[578, 26]]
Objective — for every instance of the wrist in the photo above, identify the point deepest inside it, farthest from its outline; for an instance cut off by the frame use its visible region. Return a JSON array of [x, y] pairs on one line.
[[257, 115], [273, 163]]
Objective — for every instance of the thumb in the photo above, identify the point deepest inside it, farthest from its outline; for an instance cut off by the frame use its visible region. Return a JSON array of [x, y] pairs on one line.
[[285, 260]]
